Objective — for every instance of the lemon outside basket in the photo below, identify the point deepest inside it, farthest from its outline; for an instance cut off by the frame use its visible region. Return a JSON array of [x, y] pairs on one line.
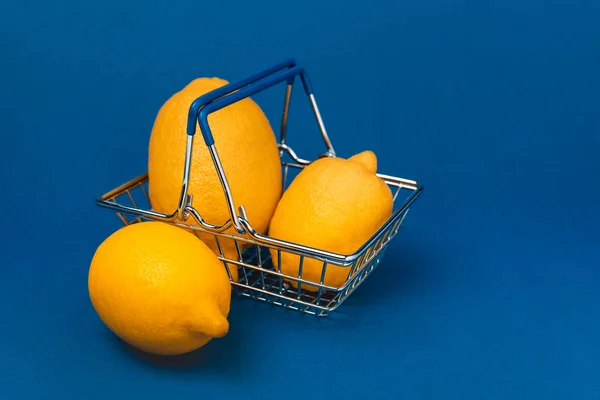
[[260, 277]]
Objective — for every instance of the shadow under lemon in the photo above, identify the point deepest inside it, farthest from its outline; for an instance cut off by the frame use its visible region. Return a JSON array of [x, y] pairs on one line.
[[222, 355]]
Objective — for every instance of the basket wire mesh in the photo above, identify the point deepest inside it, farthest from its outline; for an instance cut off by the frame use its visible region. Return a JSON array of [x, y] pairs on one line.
[[260, 275]]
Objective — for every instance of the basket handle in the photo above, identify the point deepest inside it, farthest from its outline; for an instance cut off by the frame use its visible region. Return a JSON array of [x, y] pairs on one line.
[[227, 95], [226, 90]]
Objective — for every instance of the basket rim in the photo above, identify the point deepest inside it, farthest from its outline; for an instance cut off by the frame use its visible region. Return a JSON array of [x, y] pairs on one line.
[[253, 237]]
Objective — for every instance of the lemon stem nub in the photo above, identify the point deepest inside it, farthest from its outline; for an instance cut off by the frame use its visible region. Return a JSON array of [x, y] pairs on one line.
[[368, 160], [211, 322]]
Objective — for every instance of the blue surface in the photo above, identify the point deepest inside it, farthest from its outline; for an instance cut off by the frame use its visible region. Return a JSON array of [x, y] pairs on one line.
[[490, 292]]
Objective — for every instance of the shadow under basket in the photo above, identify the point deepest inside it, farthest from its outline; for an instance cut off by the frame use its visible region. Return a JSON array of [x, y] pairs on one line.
[[259, 257]]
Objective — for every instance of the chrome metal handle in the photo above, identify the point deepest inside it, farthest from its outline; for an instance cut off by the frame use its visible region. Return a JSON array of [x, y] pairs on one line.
[[228, 94]]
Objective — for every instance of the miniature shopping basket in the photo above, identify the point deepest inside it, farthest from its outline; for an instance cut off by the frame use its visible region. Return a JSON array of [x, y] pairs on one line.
[[260, 275]]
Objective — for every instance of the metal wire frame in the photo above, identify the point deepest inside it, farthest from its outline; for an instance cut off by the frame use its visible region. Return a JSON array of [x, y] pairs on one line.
[[260, 277]]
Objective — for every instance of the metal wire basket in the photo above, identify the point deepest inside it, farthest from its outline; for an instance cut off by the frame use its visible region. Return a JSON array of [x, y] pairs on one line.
[[260, 276]]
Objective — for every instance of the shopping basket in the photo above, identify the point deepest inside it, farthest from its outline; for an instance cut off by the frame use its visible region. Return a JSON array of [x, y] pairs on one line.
[[260, 275]]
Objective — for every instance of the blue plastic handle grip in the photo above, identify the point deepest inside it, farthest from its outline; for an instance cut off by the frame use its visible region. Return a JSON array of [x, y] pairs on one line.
[[227, 89], [245, 92], [223, 96]]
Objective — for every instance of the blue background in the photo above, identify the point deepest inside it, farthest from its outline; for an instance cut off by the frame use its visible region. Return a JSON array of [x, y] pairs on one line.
[[490, 292]]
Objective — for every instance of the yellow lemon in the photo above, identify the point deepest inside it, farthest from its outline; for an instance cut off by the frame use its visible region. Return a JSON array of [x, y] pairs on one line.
[[248, 151], [160, 288], [334, 204]]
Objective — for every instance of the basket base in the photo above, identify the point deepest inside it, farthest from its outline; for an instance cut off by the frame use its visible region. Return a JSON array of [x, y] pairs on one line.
[[268, 288]]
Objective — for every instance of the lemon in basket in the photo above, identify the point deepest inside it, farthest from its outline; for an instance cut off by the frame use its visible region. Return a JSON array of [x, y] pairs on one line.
[[248, 151], [334, 204], [159, 288]]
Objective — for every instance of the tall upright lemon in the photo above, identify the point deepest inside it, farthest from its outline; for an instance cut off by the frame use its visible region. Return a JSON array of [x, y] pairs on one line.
[[160, 288], [248, 151], [333, 204]]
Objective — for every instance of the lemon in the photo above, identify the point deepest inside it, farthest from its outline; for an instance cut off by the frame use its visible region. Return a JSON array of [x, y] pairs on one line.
[[247, 148], [334, 204], [160, 288]]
